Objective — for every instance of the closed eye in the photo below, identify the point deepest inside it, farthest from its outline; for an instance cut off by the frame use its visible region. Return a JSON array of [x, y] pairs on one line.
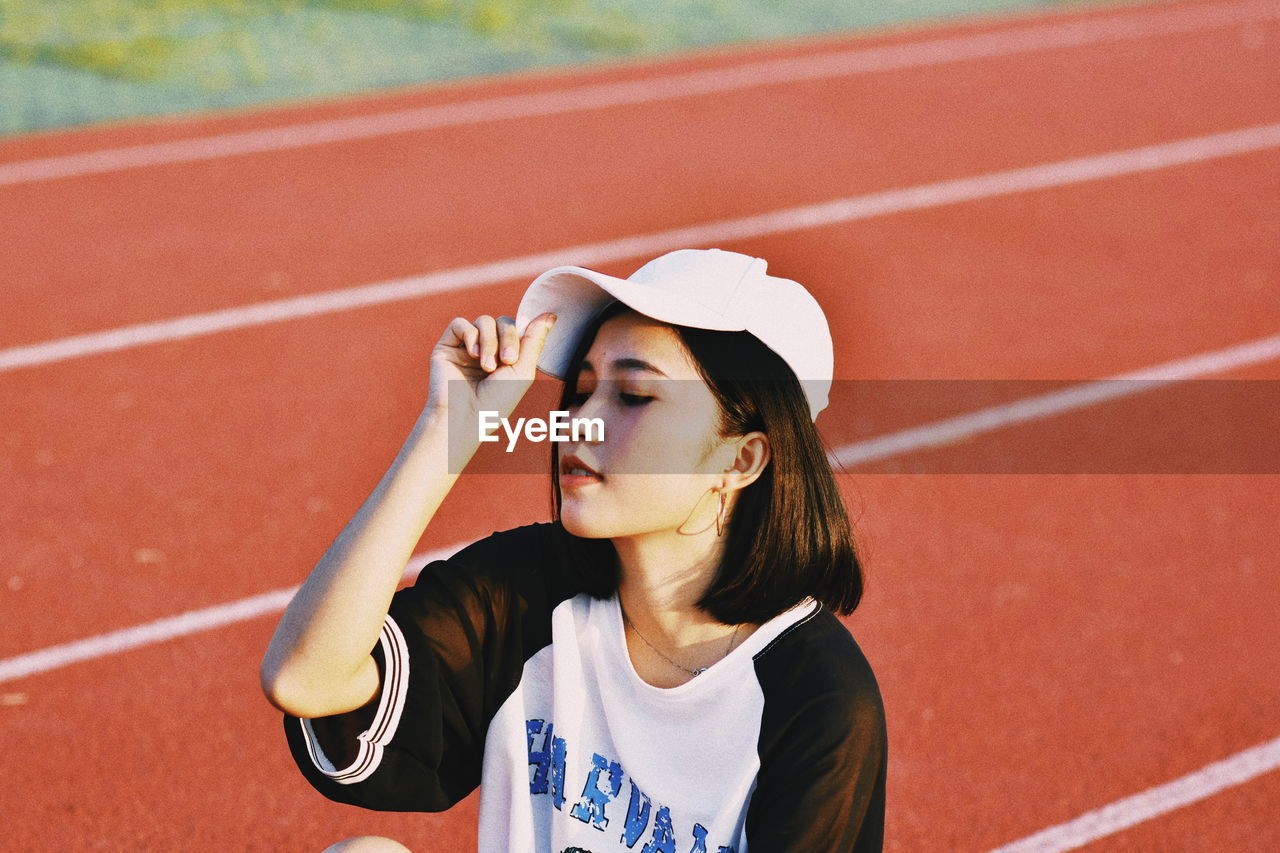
[[578, 398]]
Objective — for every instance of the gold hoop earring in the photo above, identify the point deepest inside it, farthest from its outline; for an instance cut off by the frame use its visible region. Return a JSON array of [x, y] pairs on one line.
[[695, 510], [720, 517]]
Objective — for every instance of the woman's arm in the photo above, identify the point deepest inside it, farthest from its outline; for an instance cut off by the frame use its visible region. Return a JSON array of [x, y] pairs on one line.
[[318, 662]]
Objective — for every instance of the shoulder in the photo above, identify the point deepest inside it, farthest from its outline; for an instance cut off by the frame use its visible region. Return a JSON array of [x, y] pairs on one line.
[[823, 744], [816, 669], [541, 558], [529, 541]]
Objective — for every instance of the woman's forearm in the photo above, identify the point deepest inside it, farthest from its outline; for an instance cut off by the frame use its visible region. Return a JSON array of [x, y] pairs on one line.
[[318, 662]]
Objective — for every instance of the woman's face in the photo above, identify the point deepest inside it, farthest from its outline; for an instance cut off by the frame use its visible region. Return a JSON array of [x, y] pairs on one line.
[[662, 452]]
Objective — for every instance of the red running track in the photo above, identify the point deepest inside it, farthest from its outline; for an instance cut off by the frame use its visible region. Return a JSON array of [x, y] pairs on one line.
[[1046, 644]]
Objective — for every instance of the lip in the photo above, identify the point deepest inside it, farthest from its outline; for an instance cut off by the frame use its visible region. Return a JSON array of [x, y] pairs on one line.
[[569, 481]]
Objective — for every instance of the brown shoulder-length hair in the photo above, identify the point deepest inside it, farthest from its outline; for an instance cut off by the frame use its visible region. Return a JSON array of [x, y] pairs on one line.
[[789, 535]]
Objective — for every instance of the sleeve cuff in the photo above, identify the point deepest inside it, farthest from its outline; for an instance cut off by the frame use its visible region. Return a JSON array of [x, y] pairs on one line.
[[372, 741]]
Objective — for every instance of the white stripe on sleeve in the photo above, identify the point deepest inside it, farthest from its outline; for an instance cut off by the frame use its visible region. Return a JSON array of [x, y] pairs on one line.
[[395, 686]]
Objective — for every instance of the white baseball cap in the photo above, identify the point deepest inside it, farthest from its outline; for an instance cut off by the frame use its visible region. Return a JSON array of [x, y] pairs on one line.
[[701, 288]]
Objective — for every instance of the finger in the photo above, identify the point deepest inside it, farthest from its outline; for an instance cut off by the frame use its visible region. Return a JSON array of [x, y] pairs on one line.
[[535, 337], [508, 340], [488, 342], [461, 332]]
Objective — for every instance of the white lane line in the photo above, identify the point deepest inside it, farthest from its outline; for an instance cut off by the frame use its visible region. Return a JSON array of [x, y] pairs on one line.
[[1153, 802], [171, 627], [966, 426], [1026, 39], [1045, 176], [983, 420]]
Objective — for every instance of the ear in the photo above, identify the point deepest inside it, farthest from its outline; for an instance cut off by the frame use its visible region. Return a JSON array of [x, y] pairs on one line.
[[753, 453]]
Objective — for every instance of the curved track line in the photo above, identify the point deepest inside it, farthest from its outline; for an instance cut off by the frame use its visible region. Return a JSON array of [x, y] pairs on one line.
[[916, 438], [1063, 173], [1153, 802], [936, 51]]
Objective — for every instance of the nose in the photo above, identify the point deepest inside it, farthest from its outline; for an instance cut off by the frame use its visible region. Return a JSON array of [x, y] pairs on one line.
[[595, 406]]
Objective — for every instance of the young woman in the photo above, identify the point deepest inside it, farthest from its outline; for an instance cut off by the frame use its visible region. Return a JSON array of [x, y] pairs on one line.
[[660, 668]]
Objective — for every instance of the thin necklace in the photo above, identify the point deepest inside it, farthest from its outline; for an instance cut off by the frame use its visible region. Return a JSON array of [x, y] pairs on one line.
[[697, 671]]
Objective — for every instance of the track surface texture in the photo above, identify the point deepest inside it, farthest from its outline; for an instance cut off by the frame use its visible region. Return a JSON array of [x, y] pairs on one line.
[[1047, 644]]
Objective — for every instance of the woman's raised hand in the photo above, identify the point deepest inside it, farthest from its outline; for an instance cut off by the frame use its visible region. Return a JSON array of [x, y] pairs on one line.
[[485, 365]]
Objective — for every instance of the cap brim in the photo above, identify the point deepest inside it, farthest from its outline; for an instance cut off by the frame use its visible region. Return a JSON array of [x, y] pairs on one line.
[[577, 295]]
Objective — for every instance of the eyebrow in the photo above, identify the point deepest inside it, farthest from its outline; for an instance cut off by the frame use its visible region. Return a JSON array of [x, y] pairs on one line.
[[628, 364]]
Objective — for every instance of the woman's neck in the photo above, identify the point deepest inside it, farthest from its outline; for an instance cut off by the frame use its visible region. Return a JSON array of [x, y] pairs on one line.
[[662, 576]]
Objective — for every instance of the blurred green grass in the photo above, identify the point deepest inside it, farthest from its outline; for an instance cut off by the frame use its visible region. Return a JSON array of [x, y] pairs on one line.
[[151, 40], [66, 62]]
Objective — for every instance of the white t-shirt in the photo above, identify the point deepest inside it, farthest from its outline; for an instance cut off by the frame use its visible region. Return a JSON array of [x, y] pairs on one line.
[[495, 666]]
